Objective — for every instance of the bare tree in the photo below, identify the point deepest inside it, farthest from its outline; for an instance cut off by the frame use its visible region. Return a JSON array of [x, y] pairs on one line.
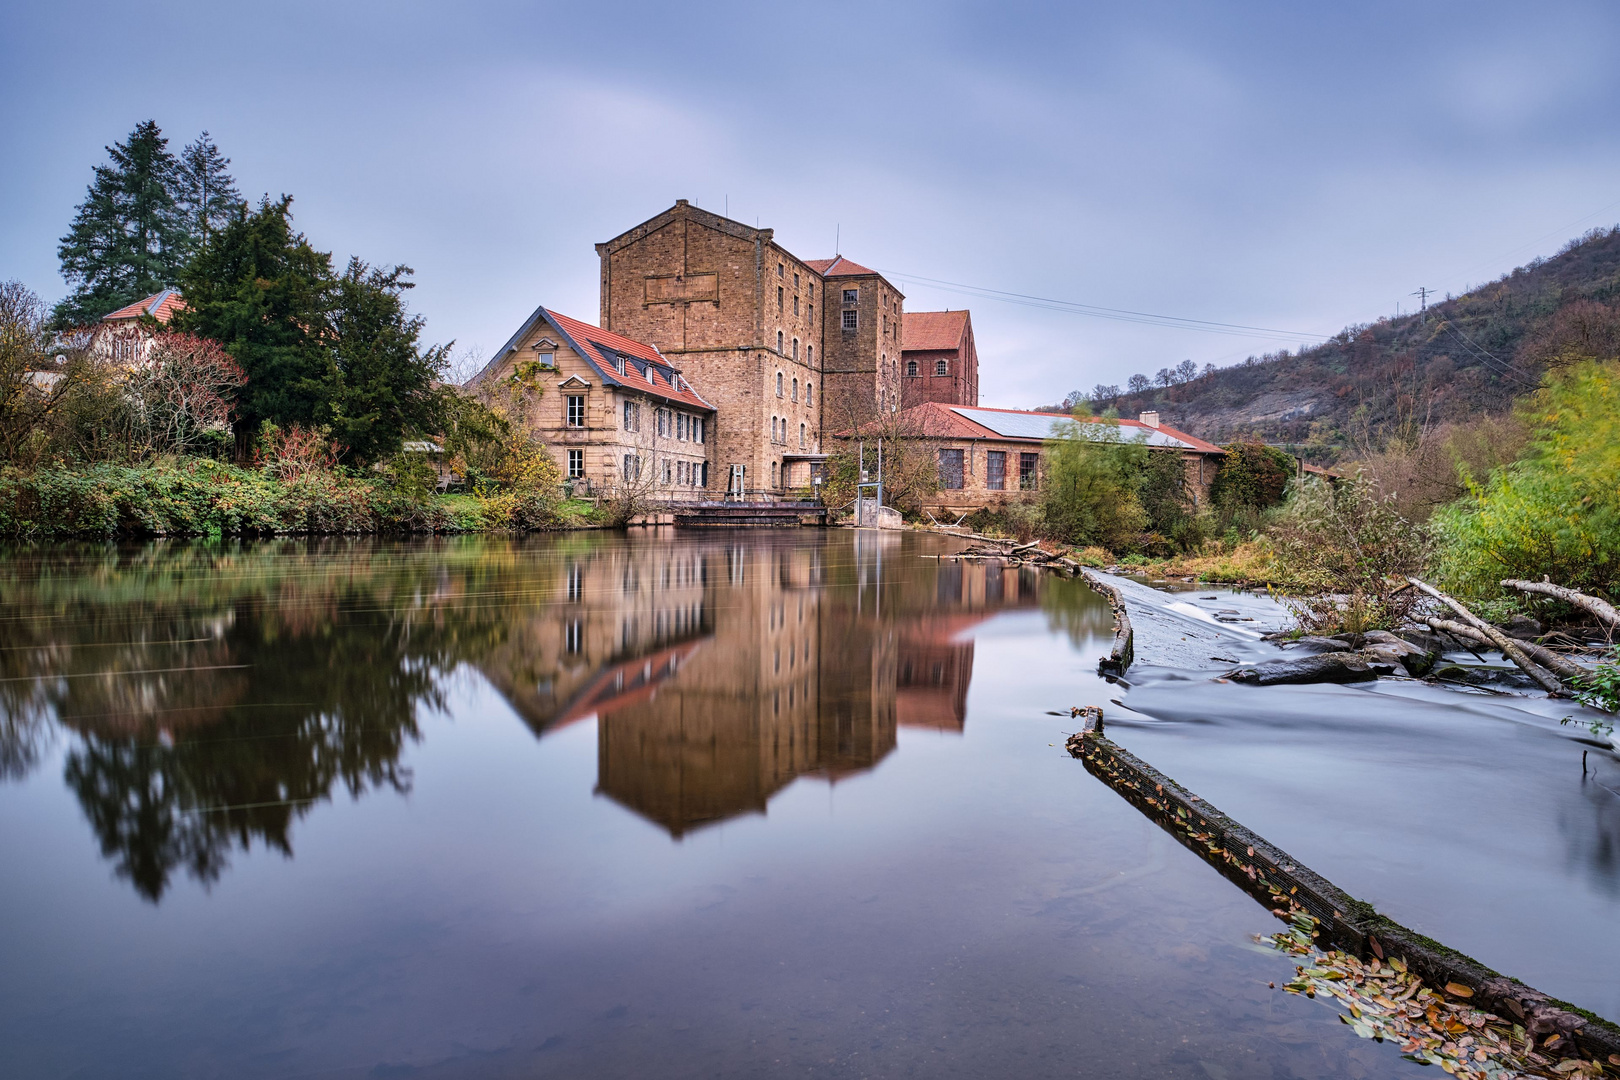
[[38, 373], [179, 393]]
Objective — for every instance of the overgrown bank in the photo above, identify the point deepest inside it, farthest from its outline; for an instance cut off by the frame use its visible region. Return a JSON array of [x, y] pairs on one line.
[[201, 497]]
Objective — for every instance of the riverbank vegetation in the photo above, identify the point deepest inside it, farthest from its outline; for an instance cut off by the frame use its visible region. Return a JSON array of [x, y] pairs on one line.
[[283, 396]]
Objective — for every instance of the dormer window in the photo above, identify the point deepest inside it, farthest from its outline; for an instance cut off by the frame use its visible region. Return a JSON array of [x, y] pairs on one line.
[[618, 364]]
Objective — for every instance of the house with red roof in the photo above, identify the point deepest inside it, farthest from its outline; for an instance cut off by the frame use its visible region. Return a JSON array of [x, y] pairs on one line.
[[939, 361], [988, 457], [125, 336], [613, 411]]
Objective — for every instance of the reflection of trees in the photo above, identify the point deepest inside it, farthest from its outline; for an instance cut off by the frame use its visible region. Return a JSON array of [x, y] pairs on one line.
[[217, 696]]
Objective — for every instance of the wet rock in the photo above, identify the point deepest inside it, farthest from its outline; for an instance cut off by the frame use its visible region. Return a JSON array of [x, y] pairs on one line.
[[1386, 648], [1334, 667], [1522, 627], [1426, 640], [1458, 674], [1317, 644]]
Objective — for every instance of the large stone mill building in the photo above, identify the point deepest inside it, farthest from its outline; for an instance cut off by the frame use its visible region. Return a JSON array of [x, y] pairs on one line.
[[768, 353]]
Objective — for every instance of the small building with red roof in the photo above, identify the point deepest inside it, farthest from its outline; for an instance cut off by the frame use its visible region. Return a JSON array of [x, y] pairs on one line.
[[988, 457], [125, 336], [938, 359], [614, 412]]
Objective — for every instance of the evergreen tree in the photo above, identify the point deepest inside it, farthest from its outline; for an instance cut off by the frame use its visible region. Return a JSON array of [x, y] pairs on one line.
[[382, 382], [204, 190], [262, 291], [127, 239]]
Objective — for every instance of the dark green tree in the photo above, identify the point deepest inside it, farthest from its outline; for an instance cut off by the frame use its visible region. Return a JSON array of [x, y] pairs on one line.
[[263, 292], [128, 239], [1253, 478], [382, 382], [204, 191]]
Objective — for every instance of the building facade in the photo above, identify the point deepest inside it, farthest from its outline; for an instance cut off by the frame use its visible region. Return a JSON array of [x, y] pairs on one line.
[[861, 325], [988, 457], [938, 359], [614, 412]]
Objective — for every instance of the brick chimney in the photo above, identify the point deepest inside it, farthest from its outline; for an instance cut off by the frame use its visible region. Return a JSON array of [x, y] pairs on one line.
[[1151, 419]]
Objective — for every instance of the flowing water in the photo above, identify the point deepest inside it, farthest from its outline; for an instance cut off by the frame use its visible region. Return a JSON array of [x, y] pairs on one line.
[[674, 804]]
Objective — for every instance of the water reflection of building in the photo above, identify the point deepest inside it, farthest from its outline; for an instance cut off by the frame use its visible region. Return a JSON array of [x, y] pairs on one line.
[[720, 671]]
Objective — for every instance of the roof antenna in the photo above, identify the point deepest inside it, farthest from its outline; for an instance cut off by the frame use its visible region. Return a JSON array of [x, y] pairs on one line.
[[838, 233], [728, 206]]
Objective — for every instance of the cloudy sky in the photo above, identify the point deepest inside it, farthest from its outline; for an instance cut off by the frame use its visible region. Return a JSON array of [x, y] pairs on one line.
[[1279, 165]]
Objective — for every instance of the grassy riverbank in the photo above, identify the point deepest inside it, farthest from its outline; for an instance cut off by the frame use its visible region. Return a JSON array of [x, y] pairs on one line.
[[202, 497]]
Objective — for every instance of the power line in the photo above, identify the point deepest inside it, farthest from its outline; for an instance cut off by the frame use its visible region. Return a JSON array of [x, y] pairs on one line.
[[1096, 311]]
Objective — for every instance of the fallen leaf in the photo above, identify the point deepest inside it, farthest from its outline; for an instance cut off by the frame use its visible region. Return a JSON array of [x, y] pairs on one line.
[[1459, 990]]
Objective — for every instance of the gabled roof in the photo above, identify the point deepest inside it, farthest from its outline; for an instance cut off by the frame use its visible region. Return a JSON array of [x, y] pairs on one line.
[[932, 330], [162, 306], [838, 266], [645, 369], [932, 420]]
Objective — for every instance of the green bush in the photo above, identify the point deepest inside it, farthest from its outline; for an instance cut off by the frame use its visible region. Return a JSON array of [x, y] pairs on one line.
[[1089, 492], [1554, 512]]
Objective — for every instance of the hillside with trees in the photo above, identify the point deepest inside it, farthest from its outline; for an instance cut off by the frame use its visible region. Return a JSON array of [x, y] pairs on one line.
[[1464, 357]]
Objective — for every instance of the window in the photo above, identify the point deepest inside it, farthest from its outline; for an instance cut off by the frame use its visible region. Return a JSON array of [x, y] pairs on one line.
[[795, 305], [795, 348], [779, 342], [852, 296], [778, 269], [547, 359], [795, 389], [700, 425], [632, 416], [661, 415], [576, 464], [574, 636], [942, 368], [801, 436], [851, 319], [576, 410], [810, 354], [812, 287], [668, 471], [808, 388], [885, 324], [995, 470], [632, 467], [810, 312], [795, 279], [618, 364], [1029, 466], [779, 298], [778, 384], [950, 470], [911, 368]]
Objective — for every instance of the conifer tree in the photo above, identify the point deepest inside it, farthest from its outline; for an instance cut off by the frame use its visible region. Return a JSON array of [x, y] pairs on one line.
[[262, 291], [127, 239], [204, 190]]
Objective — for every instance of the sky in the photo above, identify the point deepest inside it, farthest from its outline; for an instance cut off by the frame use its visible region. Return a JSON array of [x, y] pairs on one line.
[[1284, 166]]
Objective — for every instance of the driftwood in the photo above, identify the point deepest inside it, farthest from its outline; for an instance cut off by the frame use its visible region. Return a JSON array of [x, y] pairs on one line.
[[1602, 609], [1510, 648], [1562, 666]]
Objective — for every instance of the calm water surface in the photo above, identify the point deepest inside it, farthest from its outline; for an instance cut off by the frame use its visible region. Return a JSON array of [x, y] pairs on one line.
[[669, 805]]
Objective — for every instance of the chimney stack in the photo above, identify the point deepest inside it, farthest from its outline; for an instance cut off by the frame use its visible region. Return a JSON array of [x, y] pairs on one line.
[[1151, 419]]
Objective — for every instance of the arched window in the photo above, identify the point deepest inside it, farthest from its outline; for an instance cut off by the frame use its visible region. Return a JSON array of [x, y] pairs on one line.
[[942, 368], [801, 436], [808, 388], [779, 341], [795, 346], [778, 384], [810, 354], [795, 389], [911, 368]]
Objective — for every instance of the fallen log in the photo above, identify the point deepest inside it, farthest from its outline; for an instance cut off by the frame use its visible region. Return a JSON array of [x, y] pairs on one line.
[[1510, 648], [1561, 666], [1604, 610]]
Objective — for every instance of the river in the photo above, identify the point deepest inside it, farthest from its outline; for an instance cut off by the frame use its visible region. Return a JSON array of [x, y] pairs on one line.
[[673, 804]]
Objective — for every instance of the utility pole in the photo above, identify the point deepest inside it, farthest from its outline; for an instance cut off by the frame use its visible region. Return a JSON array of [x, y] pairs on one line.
[[1422, 294]]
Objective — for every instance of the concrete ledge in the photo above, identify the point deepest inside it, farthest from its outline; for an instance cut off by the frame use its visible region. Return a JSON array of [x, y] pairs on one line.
[[1123, 652]]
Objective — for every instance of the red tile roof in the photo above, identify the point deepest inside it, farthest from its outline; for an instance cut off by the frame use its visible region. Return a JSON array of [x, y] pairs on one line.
[[838, 266], [655, 375], [932, 330], [932, 420], [161, 306]]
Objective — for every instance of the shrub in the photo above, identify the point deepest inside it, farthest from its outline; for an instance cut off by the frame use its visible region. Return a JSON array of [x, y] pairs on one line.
[[1556, 510], [1253, 478], [1089, 492], [1349, 552]]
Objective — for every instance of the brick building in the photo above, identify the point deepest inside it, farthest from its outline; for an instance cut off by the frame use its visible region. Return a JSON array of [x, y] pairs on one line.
[[780, 345], [993, 456], [612, 410], [939, 361]]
